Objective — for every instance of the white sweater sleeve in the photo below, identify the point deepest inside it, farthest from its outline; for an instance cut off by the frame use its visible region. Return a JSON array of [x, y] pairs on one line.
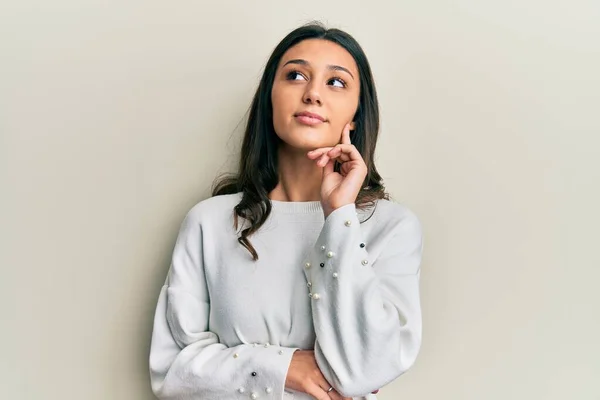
[[186, 359], [366, 311]]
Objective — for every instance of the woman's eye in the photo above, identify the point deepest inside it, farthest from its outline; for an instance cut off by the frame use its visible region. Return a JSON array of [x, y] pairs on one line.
[[340, 82], [293, 75]]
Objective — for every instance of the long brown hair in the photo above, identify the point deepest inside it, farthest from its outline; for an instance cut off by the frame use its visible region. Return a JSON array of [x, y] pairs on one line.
[[258, 174]]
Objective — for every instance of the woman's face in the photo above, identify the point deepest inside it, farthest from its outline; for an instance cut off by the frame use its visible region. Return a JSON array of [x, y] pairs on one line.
[[319, 77]]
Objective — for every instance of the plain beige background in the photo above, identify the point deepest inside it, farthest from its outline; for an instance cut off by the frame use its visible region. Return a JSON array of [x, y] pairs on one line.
[[115, 116]]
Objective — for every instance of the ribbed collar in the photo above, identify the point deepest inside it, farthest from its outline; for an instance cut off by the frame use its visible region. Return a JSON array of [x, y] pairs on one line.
[[297, 206]]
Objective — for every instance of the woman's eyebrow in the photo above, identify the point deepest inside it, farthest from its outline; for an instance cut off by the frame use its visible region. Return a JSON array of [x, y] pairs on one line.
[[330, 67]]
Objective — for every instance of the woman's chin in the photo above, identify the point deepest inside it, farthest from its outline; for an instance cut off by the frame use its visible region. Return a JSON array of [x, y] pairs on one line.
[[308, 145], [310, 139]]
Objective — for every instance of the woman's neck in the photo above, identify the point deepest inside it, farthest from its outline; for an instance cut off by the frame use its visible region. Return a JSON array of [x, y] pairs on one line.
[[299, 178]]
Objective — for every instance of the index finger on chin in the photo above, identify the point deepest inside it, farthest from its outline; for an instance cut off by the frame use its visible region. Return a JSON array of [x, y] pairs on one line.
[[346, 135]]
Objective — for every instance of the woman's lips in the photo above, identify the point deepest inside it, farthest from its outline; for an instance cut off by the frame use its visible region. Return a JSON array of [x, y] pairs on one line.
[[306, 120]]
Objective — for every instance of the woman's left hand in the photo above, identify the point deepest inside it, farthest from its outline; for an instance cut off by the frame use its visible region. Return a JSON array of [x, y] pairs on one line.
[[340, 189]]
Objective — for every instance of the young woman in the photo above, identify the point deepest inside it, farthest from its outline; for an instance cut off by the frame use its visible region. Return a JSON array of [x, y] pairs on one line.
[[299, 278]]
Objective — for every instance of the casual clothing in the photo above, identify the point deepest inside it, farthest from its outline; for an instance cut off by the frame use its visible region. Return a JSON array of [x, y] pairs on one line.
[[226, 326]]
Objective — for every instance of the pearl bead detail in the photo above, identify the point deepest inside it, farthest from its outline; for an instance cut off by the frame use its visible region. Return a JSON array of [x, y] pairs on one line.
[[335, 274], [268, 390], [254, 396], [307, 265], [310, 295], [280, 352], [322, 248], [348, 223], [329, 254], [267, 344], [236, 355], [365, 262], [309, 284], [241, 390], [316, 296]]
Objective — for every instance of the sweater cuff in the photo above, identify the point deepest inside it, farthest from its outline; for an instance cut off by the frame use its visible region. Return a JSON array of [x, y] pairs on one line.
[[339, 254], [264, 380]]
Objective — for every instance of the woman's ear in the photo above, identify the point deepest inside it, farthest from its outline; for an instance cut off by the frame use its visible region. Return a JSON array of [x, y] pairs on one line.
[[351, 125]]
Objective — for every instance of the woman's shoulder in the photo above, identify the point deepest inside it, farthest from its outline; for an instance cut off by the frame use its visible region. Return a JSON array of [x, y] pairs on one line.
[[395, 209], [393, 214], [215, 207]]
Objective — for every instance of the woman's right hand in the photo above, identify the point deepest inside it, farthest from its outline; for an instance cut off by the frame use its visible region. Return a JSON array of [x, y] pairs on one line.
[[305, 376]]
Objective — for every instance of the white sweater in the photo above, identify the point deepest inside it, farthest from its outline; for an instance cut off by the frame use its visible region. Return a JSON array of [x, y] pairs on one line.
[[226, 326]]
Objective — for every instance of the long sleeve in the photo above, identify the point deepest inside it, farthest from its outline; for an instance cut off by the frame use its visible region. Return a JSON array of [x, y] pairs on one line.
[[186, 359], [366, 307]]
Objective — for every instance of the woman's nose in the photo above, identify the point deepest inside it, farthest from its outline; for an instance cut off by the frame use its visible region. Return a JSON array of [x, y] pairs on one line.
[[312, 96]]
